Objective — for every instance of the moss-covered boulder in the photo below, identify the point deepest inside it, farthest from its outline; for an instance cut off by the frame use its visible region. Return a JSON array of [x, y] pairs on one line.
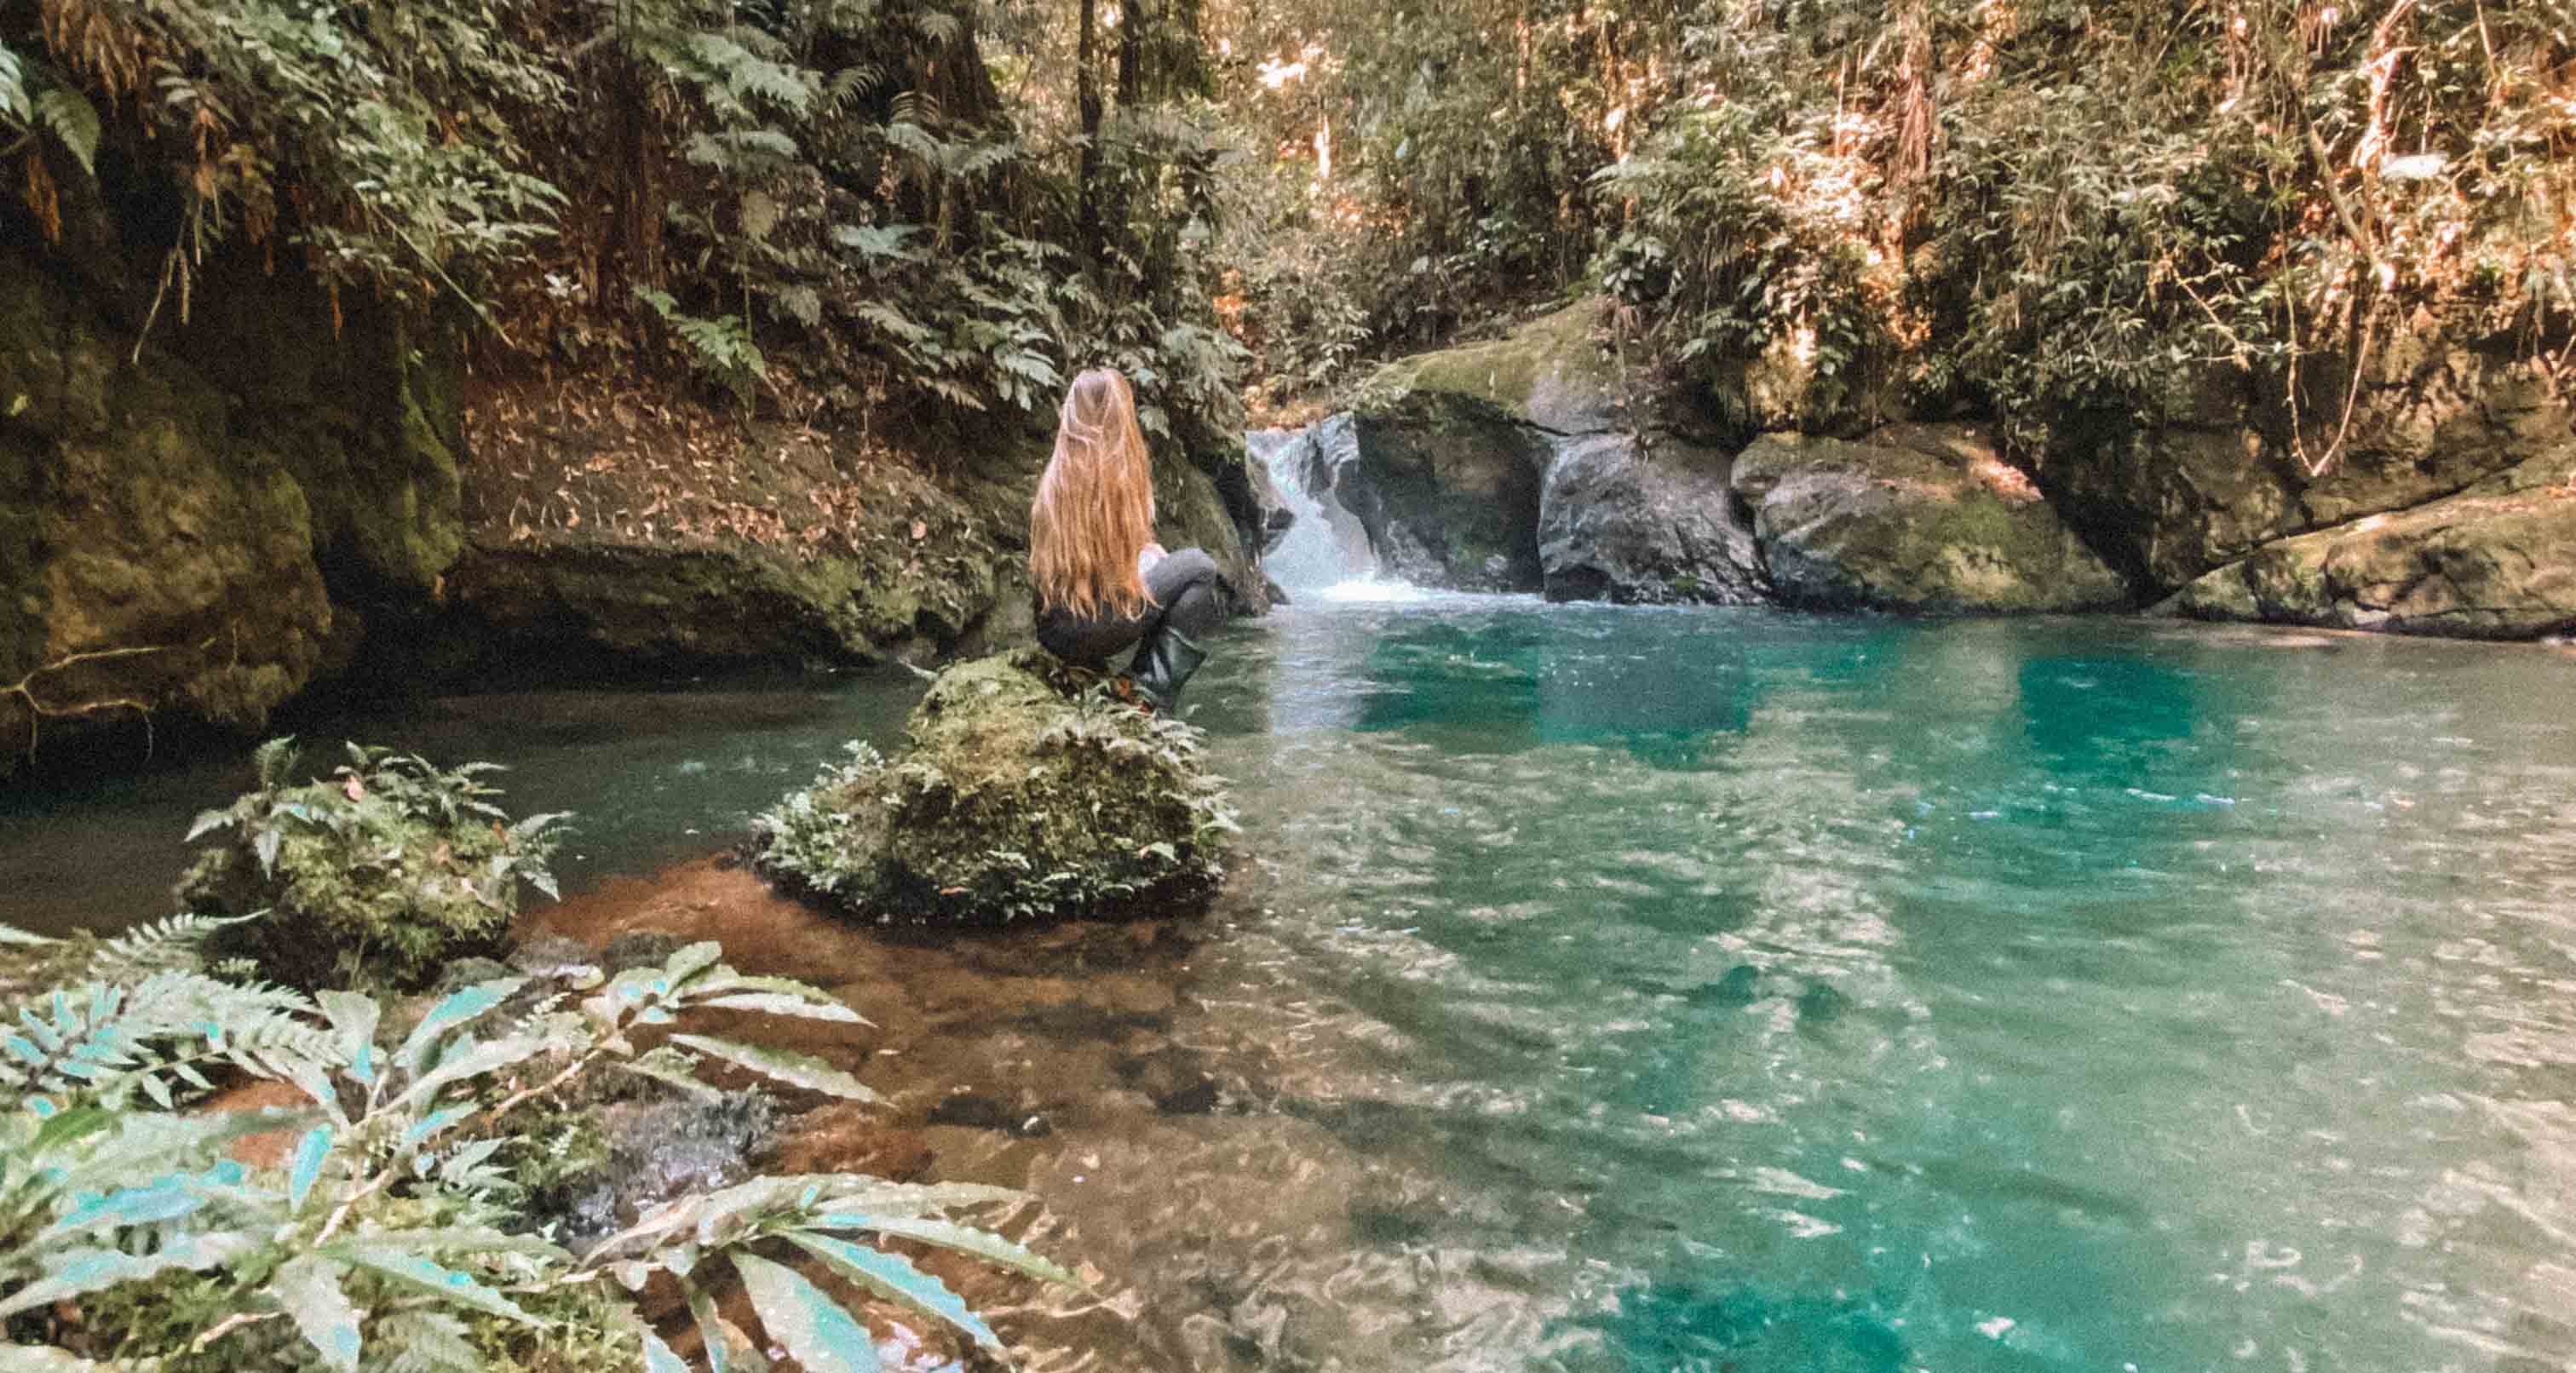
[[1025, 793], [197, 522], [1918, 519], [1444, 456], [379, 876], [2229, 464], [2497, 561]]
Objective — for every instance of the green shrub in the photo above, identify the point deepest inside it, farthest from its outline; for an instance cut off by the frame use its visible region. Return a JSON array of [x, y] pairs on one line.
[[396, 1236], [377, 877], [1024, 795]]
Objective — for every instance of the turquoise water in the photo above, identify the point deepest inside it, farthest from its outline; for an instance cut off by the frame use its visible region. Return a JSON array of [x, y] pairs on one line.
[[1784, 993], [1623, 989]]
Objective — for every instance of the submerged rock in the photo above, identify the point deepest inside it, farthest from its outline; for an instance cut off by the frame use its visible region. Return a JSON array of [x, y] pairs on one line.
[[1025, 794], [1919, 518], [2497, 561]]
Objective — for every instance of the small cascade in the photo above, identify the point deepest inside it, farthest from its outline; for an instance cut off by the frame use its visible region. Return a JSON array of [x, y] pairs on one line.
[[1325, 555]]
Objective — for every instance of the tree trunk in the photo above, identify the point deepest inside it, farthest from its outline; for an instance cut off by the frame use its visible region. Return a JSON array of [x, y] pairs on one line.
[[1086, 86]]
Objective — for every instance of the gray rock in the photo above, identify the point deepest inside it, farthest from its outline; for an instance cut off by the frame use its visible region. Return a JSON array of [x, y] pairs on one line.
[[2219, 475], [1653, 523], [1919, 519], [2497, 561]]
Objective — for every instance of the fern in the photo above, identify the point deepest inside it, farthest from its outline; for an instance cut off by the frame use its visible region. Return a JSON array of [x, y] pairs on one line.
[[384, 1246], [172, 944]]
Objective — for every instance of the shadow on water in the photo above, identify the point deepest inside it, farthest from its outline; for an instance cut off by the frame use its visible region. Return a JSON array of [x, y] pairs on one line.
[[1506, 684]]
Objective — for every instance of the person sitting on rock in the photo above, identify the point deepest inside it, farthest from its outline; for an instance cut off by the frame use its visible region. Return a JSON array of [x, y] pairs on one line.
[[1101, 582]]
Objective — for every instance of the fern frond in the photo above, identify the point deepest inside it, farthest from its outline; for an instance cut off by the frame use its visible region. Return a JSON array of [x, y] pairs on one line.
[[174, 944], [275, 760]]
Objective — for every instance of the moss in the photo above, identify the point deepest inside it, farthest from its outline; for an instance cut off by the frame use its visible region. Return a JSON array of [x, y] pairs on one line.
[[380, 877], [1547, 372], [1026, 793]]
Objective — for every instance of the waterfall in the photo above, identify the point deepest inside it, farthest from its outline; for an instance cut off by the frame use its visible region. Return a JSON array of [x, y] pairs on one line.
[[1325, 554]]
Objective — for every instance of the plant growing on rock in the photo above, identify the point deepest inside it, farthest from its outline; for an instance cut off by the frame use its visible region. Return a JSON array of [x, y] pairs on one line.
[[378, 876], [394, 1236], [1026, 794]]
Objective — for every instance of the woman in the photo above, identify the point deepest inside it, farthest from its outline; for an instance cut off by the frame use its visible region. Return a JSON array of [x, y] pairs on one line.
[[1102, 582]]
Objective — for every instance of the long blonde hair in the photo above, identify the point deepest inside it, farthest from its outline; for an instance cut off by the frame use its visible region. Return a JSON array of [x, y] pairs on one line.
[[1094, 511]]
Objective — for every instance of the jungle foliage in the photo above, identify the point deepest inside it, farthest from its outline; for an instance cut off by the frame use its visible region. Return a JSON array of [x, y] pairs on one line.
[[819, 206], [398, 1234], [2009, 208]]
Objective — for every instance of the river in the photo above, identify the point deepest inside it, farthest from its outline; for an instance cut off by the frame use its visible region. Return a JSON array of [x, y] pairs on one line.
[[1636, 989]]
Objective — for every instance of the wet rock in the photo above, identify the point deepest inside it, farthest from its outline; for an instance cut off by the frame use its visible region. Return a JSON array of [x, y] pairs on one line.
[[1620, 520], [1516, 465], [1024, 795], [639, 949], [1819, 1004], [2497, 561], [1738, 988], [1444, 456], [1918, 519], [650, 1152]]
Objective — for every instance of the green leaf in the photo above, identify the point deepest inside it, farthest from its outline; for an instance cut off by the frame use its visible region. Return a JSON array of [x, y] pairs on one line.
[[310, 1153], [458, 1009], [794, 1069], [206, 821], [74, 1272], [13, 87], [69, 114], [307, 1289], [419, 1273], [702, 1309], [893, 1277], [784, 1003], [948, 1234], [810, 1326], [353, 1018], [658, 1357], [473, 1058]]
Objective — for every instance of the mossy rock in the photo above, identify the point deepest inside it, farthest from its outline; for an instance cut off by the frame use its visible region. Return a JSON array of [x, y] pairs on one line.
[[1917, 519], [381, 877], [1028, 792]]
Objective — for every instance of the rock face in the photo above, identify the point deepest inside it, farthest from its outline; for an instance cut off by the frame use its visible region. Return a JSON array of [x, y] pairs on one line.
[[2170, 502], [1621, 522], [1025, 794], [2497, 561], [1512, 466], [200, 528], [1917, 519]]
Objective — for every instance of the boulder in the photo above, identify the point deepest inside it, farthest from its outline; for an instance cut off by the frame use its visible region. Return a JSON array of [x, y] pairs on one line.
[[2218, 475], [2497, 561], [382, 877], [1027, 791], [177, 541], [1514, 465], [1917, 519], [1620, 521]]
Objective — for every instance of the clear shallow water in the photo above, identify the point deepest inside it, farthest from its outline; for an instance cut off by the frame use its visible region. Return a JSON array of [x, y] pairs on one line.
[[1778, 993], [653, 777], [1621, 989]]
